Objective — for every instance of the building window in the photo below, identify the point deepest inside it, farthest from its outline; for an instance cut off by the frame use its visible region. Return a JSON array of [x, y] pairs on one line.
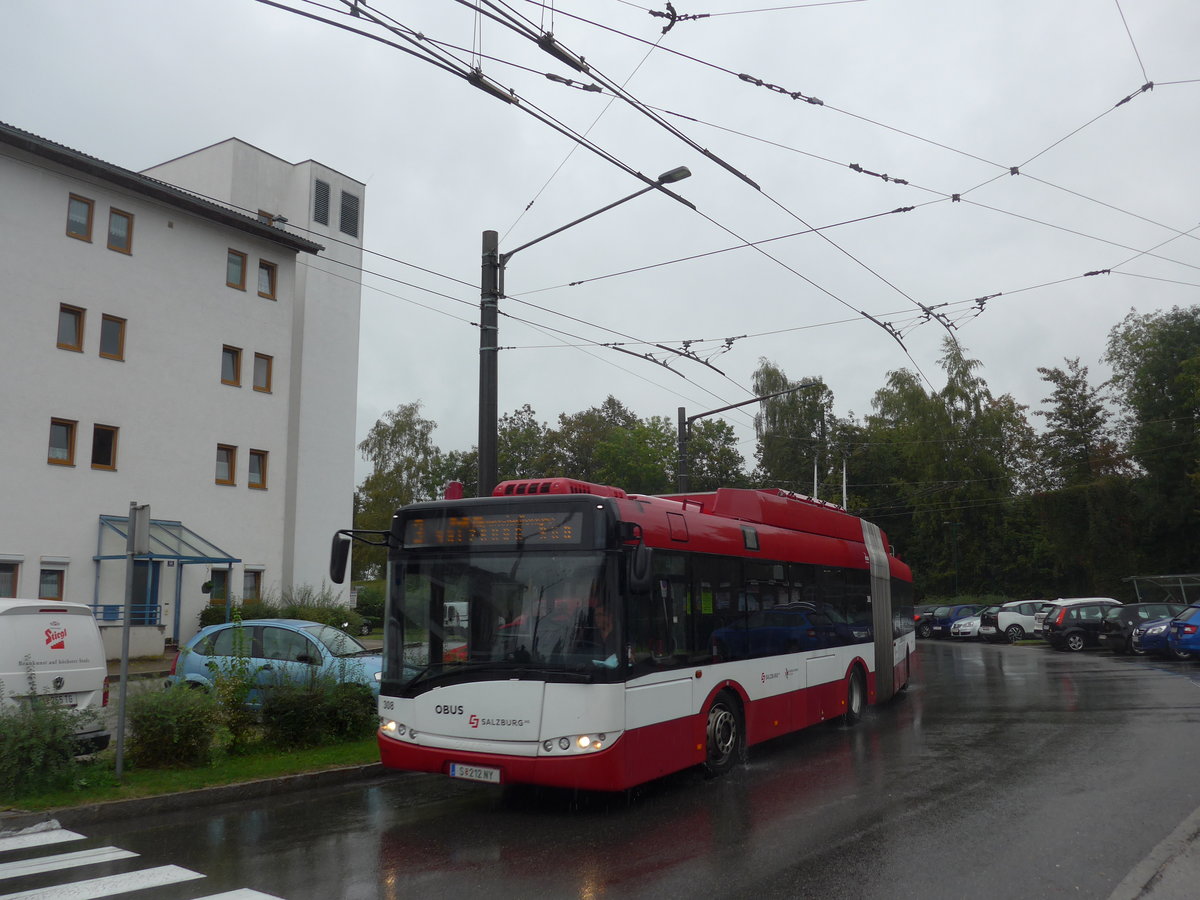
[[104, 447], [79, 217], [262, 372], [226, 464], [120, 231], [231, 366], [251, 585], [70, 327], [112, 337], [258, 470], [62, 442], [235, 270], [321, 202], [349, 221], [8, 578], [266, 279], [50, 584]]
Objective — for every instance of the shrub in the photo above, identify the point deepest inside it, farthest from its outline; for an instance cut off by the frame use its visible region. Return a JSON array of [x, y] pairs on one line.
[[233, 679], [371, 596], [214, 614], [37, 746], [325, 606], [317, 712], [174, 728]]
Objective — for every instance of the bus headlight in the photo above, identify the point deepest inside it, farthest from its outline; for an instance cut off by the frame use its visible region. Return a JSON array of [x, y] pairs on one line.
[[576, 743]]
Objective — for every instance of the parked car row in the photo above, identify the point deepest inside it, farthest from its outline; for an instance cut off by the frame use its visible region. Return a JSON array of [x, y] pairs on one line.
[[1073, 624]]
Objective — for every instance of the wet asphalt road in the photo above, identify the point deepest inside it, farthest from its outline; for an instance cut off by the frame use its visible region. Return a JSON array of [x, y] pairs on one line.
[[1004, 772]]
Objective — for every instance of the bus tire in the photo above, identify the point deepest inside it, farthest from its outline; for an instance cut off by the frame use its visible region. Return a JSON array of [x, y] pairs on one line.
[[856, 697], [725, 735]]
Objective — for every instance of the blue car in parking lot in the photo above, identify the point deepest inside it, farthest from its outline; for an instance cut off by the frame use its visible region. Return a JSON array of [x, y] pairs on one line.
[[1151, 638], [1183, 634]]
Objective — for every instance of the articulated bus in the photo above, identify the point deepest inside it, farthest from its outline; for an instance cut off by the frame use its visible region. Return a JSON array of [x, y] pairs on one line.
[[569, 634]]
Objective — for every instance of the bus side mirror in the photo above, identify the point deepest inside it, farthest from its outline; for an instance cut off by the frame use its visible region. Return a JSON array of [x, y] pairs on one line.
[[338, 554], [641, 570]]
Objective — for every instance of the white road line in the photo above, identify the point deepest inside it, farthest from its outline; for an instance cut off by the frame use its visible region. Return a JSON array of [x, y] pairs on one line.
[[240, 894], [109, 885], [40, 864], [37, 839]]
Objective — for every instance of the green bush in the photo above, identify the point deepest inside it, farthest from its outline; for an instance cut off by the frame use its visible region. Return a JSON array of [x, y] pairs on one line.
[[319, 711], [371, 595], [255, 609], [37, 746], [233, 679], [170, 729], [323, 605]]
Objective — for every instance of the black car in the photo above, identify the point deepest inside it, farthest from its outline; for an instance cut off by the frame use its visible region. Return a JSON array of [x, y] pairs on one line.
[[1116, 629], [921, 620], [1075, 624]]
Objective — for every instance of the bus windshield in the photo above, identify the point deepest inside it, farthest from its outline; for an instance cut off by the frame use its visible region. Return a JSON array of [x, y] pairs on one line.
[[539, 613]]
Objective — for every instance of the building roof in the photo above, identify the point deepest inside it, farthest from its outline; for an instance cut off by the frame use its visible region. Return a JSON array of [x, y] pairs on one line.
[[152, 187]]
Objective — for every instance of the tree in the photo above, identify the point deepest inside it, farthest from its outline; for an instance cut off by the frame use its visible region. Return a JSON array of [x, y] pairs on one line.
[[578, 435], [523, 445], [637, 457], [1078, 445], [1156, 376], [406, 466], [952, 461], [713, 457], [792, 429]]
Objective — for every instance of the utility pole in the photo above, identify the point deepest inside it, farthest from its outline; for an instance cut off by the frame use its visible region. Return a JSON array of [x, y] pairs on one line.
[[491, 289], [491, 286]]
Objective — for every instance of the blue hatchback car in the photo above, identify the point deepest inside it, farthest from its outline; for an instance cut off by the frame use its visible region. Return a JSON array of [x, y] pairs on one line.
[[277, 650], [1183, 634]]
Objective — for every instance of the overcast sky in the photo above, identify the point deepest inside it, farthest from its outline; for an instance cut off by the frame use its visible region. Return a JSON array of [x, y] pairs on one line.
[[945, 95]]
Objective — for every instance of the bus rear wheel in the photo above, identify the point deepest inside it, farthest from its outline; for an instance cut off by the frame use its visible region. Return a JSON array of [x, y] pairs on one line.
[[856, 697], [724, 733]]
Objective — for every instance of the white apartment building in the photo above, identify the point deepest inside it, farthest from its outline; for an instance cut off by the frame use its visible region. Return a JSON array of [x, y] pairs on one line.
[[185, 337]]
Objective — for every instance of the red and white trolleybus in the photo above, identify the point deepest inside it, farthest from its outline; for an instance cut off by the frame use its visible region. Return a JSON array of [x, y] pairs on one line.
[[570, 634]]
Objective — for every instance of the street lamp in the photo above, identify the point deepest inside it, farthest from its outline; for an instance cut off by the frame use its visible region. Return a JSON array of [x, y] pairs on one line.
[[685, 426], [491, 290]]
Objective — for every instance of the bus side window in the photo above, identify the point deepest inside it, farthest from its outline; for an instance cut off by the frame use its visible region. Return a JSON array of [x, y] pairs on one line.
[[657, 620]]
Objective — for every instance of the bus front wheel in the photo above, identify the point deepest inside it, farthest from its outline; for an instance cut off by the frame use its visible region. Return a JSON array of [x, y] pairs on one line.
[[724, 735]]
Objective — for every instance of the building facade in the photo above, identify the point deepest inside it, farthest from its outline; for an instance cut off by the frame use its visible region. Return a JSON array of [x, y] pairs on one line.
[[186, 338]]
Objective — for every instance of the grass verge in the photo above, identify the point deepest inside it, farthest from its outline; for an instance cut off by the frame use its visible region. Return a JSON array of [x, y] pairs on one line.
[[97, 781]]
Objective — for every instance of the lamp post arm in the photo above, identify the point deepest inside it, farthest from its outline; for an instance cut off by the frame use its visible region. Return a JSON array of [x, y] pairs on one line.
[[505, 257], [685, 423]]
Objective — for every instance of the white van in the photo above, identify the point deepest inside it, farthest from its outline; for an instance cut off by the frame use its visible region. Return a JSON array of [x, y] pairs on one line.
[[57, 647]]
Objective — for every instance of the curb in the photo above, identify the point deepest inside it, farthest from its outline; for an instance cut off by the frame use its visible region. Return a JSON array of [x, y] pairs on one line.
[[82, 816]]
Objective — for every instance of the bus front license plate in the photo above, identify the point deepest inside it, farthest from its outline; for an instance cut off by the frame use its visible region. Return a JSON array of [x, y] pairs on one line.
[[475, 773]]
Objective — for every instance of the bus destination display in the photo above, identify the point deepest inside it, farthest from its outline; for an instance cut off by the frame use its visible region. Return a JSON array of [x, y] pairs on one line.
[[495, 530]]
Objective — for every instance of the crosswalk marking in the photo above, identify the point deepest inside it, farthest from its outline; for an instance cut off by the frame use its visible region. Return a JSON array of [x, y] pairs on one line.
[[42, 864], [109, 885], [37, 838]]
